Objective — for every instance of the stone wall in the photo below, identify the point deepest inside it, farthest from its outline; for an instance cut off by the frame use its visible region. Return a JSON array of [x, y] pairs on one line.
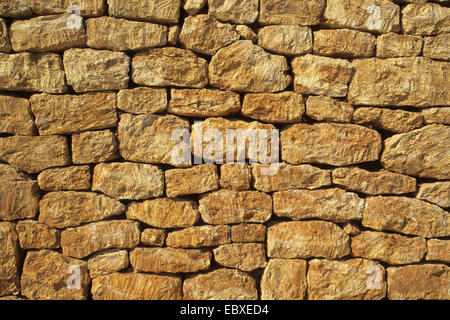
[[94, 204]]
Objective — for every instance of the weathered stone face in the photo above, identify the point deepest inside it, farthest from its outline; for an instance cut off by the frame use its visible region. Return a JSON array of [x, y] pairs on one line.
[[227, 206], [305, 239], [126, 180], [198, 179], [164, 213], [35, 235], [328, 204], [16, 9], [236, 11], [398, 121], [159, 260], [193, 6], [425, 19], [422, 152], [122, 35], [284, 279], [355, 279], [235, 176], [438, 250], [392, 45], [243, 256], [136, 286], [9, 260], [43, 72], [169, 66], [108, 262], [324, 108], [246, 67], [148, 10], [47, 33], [321, 75], [199, 236], [437, 193], [436, 47], [88, 8], [399, 82], [153, 237], [247, 33], [437, 115], [221, 284], [65, 114], [305, 143], [15, 116], [248, 232], [424, 282], [344, 43], [46, 276], [96, 70], [82, 241], [142, 100], [70, 208], [94, 147], [67, 178], [405, 215], [303, 12], [389, 248], [5, 44], [286, 39]]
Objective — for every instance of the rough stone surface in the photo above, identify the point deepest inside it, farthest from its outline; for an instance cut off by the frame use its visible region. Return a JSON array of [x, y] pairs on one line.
[[122, 35], [35, 235], [344, 43], [46, 33], [436, 192], [373, 183], [284, 279], [306, 239], [126, 180], [227, 206], [9, 260], [173, 35], [107, 262], [5, 44], [438, 250], [164, 213], [246, 67], [88, 8], [136, 286], [169, 66], [389, 248], [294, 12], [82, 241], [15, 116], [16, 9], [355, 279], [65, 114], [321, 75], [351, 229], [422, 152], [153, 237], [334, 144], [424, 282], [437, 115], [242, 256], [94, 147], [437, 47], [142, 100], [159, 260], [67, 178], [96, 70], [392, 45], [405, 215], [235, 176], [198, 179], [193, 6], [425, 19], [236, 11], [285, 107], [248, 232], [46, 274], [221, 284], [147, 10], [199, 236], [246, 33], [398, 121], [286, 39], [70, 208], [323, 108], [327, 204]]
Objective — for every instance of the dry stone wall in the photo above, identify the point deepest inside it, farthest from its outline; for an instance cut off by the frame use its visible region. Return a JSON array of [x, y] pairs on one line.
[[116, 149]]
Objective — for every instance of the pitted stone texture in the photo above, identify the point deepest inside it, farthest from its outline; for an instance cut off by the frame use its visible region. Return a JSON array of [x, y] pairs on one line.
[[96, 70], [437, 115], [153, 237], [142, 100], [35, 235], [286, 39], [199, 236], [193, 6], [284, 279], [236, 11], [351, 229], [148, 138], [65, 114], [9, 260], [398, 121], [392, 45], [248, 232], [324, 108], [164, 213], [67, 178], [126, 180], [284, 107], [413, 81], [195, 180], [82, 241], [436, 192], [5, 44], [122, 35], [419, 282], [169, 66], [423, 152], [242, 256], [355, 279], [344, 43], [170, 260], [204, 34], [290, 177], [70, 208], [34, 154], [94, 147], [294, 12], [306, 239], [389, 248], [406, 215], [334, 144], [147, 10], [88, 8], [235, 176], [16, 9], [227, 206], [46, 275], [46, 33], [15, 116], [247, 33], [30, 72], [438, 250], [108, 262], [321, 75], [373, 183], [425, 19], [366, 15], [136, 286], [437, 47], [327, 204], [246, 67], [221, 284]]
